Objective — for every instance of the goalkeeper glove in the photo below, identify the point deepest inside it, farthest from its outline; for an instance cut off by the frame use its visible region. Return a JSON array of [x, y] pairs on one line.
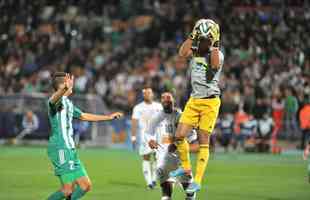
[[215, 34], [195, 34]]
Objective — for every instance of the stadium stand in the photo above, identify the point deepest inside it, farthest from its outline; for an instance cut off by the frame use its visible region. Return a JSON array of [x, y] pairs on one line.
[[113, 47]]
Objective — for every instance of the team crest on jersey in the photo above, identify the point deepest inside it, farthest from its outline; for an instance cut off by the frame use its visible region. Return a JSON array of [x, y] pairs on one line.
[[200, 64]]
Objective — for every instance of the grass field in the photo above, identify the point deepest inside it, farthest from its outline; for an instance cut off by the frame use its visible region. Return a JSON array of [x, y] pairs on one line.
[[25, 174]]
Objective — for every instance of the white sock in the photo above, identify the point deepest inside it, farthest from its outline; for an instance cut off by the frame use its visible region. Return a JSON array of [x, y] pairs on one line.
[[153, 167], [146, 167]]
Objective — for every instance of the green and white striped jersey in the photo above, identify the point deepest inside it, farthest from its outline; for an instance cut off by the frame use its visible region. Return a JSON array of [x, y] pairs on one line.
[[60, 117]]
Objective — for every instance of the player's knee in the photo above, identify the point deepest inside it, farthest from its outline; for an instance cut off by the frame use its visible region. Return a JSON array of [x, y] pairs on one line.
[[67, 191], [182, 131], [86, 186], [203, 137]]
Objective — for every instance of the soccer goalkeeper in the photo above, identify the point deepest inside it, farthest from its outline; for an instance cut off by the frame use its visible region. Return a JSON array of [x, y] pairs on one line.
[[201, 110], [61, 148]]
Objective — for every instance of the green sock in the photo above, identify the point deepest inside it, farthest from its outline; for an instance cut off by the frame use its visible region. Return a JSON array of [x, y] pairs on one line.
[[56, 196], [77, 193]]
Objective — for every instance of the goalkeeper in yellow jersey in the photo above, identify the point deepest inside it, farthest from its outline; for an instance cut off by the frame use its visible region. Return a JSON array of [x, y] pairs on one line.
[[201, 110]]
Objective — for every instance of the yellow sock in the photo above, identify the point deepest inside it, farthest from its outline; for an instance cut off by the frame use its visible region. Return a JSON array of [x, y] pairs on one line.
[[183, 149], [202, 161]]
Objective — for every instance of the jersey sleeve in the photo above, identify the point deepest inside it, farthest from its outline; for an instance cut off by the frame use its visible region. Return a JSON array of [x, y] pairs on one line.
[[76, 112], [153, 125], [136, 114]]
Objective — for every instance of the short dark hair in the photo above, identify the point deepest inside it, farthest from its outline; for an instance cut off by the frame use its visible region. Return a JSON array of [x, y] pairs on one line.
[[58, 78]]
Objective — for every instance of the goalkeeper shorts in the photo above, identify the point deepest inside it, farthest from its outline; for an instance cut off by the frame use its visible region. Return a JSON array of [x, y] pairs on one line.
[[201, 113]]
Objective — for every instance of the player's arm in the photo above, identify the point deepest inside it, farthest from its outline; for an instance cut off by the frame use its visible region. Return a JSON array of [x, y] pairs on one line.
[[95, 118], [151, 131], [136, 114], [185, 51], [215, 58], [215, 54], [134, 127], [77, 113], [63, 88]]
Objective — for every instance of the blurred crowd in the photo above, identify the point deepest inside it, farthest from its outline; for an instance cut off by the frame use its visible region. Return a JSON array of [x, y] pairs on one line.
[[113, 47]]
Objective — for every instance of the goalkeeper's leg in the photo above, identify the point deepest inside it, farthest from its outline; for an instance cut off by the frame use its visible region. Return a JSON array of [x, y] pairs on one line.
[[183, 146], [203, 156]]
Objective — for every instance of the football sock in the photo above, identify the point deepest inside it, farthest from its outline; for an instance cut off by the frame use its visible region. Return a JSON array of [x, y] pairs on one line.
[[202, 161], [56, 196], [183, 149], [153, 167], [166, 189], [146, 167], [78, 193]]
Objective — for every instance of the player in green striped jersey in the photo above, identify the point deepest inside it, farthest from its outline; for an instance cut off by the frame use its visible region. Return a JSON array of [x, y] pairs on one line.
[[61, 148]]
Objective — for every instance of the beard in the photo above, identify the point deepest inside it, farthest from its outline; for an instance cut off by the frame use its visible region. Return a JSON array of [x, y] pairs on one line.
[[168, 107]]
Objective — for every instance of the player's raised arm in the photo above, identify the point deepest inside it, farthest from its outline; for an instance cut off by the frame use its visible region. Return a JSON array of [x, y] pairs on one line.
[[216, 58], [186, 49], [95, 118], [62, 85]]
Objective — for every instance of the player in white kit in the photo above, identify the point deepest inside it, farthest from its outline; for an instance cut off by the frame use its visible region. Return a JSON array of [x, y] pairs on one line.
[[141, 116], [160, 136]]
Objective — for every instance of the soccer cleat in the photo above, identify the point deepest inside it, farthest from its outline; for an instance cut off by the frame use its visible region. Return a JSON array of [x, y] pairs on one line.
[[190, 196], [150, 186], [154, 184], [178, 172], [193, 187]]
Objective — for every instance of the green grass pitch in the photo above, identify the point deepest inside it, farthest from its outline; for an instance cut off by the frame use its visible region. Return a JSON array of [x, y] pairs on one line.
[[26, 174]]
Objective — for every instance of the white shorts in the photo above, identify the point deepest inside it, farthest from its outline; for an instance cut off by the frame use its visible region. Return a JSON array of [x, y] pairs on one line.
[[167, 162], [144, 149]]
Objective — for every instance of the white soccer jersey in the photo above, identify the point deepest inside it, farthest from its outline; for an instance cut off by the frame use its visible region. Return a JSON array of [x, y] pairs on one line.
[[143, 113], [166, 125], [163, 128]]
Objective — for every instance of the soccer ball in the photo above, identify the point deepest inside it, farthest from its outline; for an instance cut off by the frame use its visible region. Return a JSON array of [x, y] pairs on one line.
[[203, 25]]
